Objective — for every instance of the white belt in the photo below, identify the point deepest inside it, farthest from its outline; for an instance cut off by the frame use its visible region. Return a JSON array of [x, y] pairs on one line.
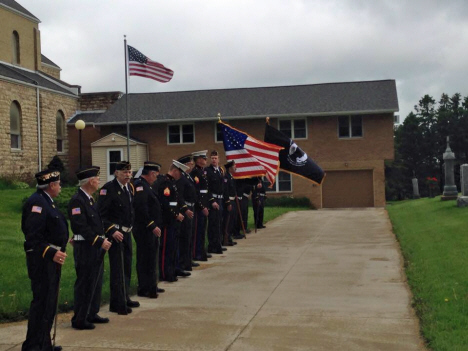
[[239, 197], [78, 237], [125, 229], [232, 198], [262, 194], [203, 191], [189, 203], [58, 248], [172, 203], [246, 195], [218, 196]]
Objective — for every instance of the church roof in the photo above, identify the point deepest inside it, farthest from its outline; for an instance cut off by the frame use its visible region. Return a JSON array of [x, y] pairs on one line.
[[13, 5]]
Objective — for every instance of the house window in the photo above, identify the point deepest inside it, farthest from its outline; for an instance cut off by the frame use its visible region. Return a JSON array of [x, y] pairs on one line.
[[283, 183], [15, 125], [350, 126], [113, 157], [60, 126], [218, 133], [293, 128], [180, 134], [15, 47]]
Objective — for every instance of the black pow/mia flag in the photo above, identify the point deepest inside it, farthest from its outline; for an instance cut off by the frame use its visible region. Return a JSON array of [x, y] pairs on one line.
[[292, 158]]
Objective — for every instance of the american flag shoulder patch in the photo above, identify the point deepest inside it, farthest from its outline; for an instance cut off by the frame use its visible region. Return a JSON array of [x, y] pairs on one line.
[[139, 188], [76, 211], [103, 192], [36, 209]]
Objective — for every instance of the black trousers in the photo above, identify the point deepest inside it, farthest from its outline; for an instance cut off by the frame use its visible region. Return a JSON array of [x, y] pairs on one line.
[[168, 252], [258, 209], [44, 275], [88, 267], [120, 254], [215, 218], [184, 260], [199, 236], [147, 256]]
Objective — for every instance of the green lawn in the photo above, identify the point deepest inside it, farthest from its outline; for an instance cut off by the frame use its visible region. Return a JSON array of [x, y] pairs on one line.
[[15, 290], [433, 235]]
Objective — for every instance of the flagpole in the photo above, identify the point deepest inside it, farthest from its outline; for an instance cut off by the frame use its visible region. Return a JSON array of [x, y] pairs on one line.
[[126, 98]]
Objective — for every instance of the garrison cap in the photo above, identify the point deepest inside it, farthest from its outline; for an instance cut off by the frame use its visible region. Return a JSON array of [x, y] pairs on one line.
[[181, 166], [185, 159], [152, 166], [88, 172], [47, 176], [197, 154], [229, 164], [123, 166]]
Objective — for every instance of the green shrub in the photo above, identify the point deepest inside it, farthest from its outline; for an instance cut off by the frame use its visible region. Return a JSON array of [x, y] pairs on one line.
[[11, 183], [62, 200], [288, 201]]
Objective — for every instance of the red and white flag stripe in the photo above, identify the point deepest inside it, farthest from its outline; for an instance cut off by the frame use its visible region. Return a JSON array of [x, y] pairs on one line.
[[152, 69]]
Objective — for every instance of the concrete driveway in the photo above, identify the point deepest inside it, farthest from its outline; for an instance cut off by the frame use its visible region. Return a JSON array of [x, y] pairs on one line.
[[312, 280]]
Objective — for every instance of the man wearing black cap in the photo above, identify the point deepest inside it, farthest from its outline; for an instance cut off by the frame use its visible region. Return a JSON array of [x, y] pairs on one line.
[[116, 210], [215, 199], [167, 194], [89, 245], [230, 214], [147, 230], [258, 202], [198, 175], [46, 234], [187, 197]]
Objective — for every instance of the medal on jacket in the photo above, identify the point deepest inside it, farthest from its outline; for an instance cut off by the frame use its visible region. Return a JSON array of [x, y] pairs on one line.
[[167, 192], [197, 180]]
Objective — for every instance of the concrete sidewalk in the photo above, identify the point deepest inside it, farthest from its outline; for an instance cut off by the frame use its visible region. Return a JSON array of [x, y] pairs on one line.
[[312, 280]]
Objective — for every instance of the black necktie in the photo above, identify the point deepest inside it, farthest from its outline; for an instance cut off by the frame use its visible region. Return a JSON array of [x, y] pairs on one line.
[[128, 194]]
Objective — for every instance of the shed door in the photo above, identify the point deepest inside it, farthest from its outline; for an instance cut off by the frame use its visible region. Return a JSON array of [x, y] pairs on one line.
[[113, 156], [348, 189]]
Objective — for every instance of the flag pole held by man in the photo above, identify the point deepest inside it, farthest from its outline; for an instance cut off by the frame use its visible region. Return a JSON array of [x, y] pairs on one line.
[[292, 158]]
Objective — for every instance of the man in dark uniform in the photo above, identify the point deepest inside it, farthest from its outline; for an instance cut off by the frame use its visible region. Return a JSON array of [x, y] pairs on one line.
[[46, 234], [215, 199], [89, 244], [198, 175], [258, 202], [230, 214], [167, 194], [187, 197], [147, 230], [116, 210]]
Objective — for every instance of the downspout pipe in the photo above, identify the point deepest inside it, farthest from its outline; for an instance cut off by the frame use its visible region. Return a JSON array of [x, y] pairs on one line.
[[39, 139]]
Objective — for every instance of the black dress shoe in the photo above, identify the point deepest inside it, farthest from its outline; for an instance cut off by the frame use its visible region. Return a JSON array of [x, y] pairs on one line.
[[224, 248], [234, 243], [121, 311], [209, 256], [199, 259], [57, 348], [143, 293], [83, 326], [98, 319], [131, 303], [183, 274], [161, 290], [238, 236], [153, 295], [195, 264]]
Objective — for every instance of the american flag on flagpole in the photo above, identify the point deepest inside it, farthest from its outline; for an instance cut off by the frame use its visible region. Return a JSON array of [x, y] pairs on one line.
[[254, 158], [140, 65]]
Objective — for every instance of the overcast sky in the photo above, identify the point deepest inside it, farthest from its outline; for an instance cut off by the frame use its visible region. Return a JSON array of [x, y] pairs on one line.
[[215, 44]]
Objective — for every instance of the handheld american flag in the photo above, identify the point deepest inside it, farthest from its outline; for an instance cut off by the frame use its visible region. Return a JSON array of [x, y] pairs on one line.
[[254, 158], [140, 65]]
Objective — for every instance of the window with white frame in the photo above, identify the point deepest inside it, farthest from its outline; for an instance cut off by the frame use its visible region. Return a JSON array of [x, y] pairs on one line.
[[60, 127], [15, 125], [293, 128], [350, 127], [283, 183], [180, 134], [218, 133]]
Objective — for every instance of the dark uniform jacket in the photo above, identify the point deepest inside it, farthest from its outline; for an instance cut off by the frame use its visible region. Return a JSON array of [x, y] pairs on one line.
[[186, 191], [215, 183], [200, 180], [85, 219], [256, 192], [229, 189], [43, 224], [167, 194], [115, 206], [147, 206]]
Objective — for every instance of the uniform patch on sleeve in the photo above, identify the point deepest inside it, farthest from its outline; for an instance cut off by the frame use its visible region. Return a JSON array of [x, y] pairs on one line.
[[76, 211], [167, 192], [36, 209], [139, 188], [103, 192]]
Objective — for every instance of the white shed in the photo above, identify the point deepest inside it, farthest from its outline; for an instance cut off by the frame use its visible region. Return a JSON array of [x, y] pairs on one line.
[[107, 151]]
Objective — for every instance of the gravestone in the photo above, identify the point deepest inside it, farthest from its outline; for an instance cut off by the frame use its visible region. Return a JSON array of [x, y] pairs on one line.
[[462, 200], [450, 189], [415, 188]]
